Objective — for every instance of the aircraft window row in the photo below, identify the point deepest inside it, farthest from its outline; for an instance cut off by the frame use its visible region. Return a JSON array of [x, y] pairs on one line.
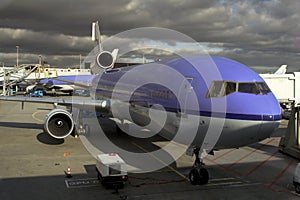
[[224, 88]]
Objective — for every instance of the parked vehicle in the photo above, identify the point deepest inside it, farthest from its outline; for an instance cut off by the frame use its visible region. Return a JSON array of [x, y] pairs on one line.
[[36, 93], [112, 170]]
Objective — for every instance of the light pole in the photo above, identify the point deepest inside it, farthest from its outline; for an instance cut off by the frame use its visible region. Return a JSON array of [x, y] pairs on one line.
[[80, 67], [17, 55], [40, 59]]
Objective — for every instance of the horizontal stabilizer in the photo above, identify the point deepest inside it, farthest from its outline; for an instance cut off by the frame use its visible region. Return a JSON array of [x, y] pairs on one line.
[[114, 53]]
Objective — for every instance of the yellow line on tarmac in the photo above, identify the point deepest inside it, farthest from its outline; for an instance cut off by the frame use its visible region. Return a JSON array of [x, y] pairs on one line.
[[221, 179], [35, 118], [223, 184], [159, 160]]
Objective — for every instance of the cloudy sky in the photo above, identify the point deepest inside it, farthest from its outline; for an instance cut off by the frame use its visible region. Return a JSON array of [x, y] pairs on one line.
[[262, 34]]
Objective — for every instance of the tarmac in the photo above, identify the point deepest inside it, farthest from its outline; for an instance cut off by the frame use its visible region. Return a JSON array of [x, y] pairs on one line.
[[33, 166]]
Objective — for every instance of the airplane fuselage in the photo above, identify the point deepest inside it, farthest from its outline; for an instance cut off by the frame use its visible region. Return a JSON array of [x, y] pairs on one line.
[[212, 94]]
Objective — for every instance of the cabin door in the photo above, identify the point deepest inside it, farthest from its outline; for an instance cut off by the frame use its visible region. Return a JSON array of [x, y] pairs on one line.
[[183, 95]]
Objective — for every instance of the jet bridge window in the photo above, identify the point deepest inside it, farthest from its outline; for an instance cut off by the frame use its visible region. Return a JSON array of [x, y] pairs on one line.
[[221, 89]]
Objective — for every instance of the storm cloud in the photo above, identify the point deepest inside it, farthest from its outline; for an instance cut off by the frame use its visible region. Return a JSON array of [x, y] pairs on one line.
[[262, 34]]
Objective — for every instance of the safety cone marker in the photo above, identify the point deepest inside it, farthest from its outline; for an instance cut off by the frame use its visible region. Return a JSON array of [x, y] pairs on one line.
[[69, 172]]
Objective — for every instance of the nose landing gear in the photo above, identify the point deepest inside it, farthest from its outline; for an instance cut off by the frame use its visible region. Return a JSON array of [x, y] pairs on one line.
[[198, 174]]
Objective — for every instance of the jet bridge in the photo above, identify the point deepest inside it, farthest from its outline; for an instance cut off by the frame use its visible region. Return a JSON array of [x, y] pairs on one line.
[[10, 77], [286, 88]]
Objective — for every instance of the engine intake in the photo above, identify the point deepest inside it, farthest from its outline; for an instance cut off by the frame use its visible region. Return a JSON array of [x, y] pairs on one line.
[[59, 123], [105, 60]]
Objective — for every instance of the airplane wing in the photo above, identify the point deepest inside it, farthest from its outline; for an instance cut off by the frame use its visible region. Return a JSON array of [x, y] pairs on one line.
[[81, 103], [79, 84], [60, 123], [62, 88]]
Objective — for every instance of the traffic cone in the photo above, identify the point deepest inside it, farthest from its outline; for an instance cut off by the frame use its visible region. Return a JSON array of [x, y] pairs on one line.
[[69, 172]]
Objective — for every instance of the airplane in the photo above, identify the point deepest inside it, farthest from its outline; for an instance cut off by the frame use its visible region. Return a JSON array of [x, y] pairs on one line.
[[66, 86], [199, 93], [108, 60]]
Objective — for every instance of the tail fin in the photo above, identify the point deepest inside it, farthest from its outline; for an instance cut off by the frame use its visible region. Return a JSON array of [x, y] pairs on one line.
[[96, 35], [281, 70], [104, 59]]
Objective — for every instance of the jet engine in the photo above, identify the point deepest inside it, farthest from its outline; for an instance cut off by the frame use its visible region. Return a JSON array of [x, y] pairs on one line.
[[105, 59], [59, 123]]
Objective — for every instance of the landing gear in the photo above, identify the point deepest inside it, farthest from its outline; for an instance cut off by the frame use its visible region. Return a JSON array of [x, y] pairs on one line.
[[198, 175], [297, 188], [83, 129]]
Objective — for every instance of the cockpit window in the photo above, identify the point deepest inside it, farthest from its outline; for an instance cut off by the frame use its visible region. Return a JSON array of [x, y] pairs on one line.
[[221, 88], [263, 88], [254, 88], [248, 88], [224, 88], [230, 87], [215, 89]]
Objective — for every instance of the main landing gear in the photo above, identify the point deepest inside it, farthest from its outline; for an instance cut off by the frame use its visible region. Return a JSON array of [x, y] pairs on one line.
[[198, 175]]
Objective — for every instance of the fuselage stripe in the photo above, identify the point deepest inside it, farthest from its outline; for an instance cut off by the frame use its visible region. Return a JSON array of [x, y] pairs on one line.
[[238, 116]]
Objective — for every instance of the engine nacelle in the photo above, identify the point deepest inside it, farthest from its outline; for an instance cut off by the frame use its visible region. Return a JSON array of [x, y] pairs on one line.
[[105, 60], [59, 123]]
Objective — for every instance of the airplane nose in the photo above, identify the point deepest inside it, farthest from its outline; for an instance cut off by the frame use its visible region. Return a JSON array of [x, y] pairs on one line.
[[267, 128], [271, 116]]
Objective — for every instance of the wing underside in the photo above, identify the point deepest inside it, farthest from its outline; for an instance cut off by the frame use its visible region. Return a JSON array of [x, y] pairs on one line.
[[82, 103]]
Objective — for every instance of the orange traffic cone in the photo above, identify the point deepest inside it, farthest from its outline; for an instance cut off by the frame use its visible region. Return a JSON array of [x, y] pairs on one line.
[[69, 172]]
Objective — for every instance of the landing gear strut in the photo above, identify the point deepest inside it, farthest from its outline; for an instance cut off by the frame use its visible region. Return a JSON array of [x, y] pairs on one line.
[[83, 129], [198, 175]]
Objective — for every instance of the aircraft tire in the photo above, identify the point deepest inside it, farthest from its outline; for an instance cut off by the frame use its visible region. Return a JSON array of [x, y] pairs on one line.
[[194, 176], [204, 176], [198, 176], [297, 188]]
